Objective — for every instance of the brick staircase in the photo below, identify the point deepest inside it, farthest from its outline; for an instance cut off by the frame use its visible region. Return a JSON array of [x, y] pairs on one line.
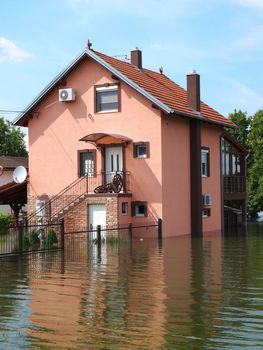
[[58, 206]]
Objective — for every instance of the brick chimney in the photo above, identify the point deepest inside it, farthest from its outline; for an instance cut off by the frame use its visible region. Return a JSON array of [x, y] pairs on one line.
[[193, 90], [136, 58]]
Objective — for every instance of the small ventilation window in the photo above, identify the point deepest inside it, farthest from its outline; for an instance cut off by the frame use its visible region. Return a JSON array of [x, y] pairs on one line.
[[141, 150], [206, 213], [124, 208], [139, 209]]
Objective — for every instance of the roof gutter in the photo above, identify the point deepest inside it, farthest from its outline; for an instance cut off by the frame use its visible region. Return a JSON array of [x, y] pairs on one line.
[[200, 117]]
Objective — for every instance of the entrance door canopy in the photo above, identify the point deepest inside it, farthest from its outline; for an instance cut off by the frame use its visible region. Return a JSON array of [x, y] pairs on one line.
[[99, 139]]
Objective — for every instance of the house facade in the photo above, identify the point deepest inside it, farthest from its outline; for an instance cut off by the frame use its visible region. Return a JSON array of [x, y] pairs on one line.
[[113, 143]]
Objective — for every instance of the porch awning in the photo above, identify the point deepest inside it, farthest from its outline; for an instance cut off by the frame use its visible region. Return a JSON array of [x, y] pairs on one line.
[[13, 193], [104, 139]]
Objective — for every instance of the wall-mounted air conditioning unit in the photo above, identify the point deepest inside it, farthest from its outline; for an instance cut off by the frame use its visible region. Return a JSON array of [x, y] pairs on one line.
[[206, 199], [66, 95]]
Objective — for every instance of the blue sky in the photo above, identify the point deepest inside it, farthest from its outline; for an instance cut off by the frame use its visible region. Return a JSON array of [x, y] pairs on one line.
[[221, 39]]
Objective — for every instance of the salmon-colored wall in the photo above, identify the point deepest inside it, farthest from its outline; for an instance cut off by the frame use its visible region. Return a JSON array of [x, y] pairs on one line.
[[176, 176], [162, 180], [210, 136], [56, 127]]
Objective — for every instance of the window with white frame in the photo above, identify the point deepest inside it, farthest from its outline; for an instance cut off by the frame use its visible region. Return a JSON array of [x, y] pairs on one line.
[[107, 99], [40, 207], [86, 163], [205, 171], [124, 208]]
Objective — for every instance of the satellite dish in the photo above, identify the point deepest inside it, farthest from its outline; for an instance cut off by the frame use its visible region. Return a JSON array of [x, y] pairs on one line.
[[19, 174]]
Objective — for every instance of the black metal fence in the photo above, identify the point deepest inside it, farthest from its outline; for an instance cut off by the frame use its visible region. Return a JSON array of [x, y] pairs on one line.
[[112, 232], [43, 237], [31, 238]]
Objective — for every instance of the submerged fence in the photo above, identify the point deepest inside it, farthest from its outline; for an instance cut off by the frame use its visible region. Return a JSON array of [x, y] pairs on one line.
[[30, 238], [101, 233], [43, 237]]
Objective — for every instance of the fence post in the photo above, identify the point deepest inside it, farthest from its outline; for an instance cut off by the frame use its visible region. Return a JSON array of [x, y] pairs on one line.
[[160, 229], [130, 230], [62, 234], [99, 234], [20, 237]]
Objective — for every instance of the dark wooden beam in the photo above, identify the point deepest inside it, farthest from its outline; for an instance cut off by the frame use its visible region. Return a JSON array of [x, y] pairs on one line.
[[196, 179]]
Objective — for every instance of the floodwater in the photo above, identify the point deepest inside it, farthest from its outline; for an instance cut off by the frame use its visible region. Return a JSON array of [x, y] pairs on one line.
[[181, 294]]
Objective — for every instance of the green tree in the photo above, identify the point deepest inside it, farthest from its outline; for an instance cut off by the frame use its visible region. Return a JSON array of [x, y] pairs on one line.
[[255, 169], [11, 140], [242, 121]]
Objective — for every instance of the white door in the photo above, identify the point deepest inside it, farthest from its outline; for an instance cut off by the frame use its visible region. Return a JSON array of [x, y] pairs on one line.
[[113, 162], [97, 216]]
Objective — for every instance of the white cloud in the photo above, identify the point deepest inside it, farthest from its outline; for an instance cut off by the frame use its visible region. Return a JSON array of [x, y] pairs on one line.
[[11, 52]]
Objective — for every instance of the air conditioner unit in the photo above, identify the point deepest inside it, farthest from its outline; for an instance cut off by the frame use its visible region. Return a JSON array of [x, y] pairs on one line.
[[66, 95], [206, 199]]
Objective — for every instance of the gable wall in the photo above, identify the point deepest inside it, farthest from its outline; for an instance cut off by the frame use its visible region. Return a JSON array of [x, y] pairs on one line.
[[57, 126]]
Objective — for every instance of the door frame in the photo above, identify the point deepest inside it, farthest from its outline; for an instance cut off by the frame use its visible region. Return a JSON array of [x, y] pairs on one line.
[[103, 158], [93, 235]]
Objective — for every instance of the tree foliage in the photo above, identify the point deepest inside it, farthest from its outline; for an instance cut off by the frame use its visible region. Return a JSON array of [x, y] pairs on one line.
[[249, 132], [255, 169], [243, 122], [11, 140]]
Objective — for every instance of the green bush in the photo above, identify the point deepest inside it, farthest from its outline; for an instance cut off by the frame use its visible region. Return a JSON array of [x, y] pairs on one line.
[[31, 239], [52, 238], [5, 222]]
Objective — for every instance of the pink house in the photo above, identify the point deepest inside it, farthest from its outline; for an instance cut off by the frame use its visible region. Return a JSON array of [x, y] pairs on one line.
[[111, 143]]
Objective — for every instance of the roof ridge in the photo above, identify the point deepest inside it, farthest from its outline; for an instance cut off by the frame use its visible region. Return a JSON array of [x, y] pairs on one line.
[[157, 88]]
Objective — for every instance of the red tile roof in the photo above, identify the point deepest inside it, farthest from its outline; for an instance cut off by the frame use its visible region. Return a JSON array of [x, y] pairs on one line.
[[155, 86], [164, 89]]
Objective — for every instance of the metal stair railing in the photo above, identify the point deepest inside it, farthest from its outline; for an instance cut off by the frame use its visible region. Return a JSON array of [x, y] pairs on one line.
[[61, 200], [72, 194]]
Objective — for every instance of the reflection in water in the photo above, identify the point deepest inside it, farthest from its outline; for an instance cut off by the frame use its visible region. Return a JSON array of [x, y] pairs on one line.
[[182, 294]]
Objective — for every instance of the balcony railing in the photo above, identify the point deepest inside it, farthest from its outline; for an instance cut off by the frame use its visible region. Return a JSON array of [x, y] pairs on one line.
[[104, 178], [234, 184]]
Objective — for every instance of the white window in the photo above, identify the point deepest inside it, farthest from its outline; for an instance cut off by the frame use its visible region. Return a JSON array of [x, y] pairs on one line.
[[205, 162], [86, 163], [40, 207], [124, 208], [107, 99]]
